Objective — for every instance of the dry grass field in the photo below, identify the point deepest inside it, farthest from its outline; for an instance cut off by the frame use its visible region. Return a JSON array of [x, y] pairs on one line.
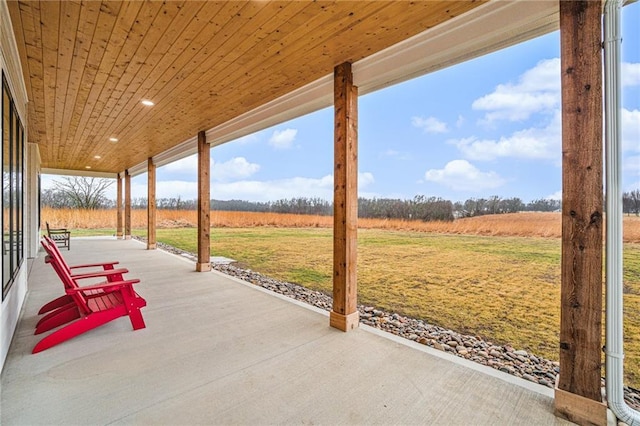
[[546, 225], [497, 277]]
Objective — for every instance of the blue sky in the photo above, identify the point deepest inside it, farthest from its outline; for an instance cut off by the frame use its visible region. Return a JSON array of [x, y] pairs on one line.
[[490, 126]]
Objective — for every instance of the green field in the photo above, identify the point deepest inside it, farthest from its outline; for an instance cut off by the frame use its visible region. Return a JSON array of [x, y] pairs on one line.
[[503, 289]]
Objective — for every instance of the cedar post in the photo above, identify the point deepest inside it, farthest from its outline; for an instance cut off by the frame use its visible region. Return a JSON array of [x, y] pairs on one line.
[[127, 205], [119, 208], [204, 205], [344, 314], [578, 391], [151, 205]]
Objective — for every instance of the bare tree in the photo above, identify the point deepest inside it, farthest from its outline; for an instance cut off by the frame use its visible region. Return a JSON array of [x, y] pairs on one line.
[[83, 192], [631, 202]]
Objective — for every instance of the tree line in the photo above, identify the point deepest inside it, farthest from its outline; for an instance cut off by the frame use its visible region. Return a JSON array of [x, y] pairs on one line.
[[89, 193], [631, 202]]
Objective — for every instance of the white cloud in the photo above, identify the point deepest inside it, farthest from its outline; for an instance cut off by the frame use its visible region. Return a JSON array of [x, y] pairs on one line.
[[187, 164], [531, 143], [274, 190], [537, 90], [392, 153], [46, 181], [630, 74], [630, 122], [429, 124], [365, 179], [283, 139], [282, 188], [252, 190], [555, 196], [632, 165], [460, 175], [236, 168], [632, 187], [186, 190], [460, 121]]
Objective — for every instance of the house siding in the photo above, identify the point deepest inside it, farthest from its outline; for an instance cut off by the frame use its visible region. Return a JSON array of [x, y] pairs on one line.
[[13, 301]]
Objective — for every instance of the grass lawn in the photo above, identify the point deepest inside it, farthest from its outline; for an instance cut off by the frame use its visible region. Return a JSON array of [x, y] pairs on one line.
[[503, 289]]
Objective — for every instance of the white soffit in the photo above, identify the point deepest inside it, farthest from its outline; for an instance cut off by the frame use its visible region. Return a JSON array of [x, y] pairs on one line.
[[87, 173], [485, 29]]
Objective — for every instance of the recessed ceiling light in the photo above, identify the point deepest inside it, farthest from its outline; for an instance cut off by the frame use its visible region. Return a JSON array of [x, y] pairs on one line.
[[97, 157], [113, 139], [147, 102], [87, 167]]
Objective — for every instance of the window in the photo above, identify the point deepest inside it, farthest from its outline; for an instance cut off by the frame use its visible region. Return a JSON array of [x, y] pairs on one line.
[[12, 189]]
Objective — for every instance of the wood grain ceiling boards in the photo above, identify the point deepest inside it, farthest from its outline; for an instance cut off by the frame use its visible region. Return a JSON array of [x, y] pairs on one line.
[[88, 64]]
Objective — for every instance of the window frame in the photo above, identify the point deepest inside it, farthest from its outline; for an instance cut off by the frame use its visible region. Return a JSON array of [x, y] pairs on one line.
[[13, 160]]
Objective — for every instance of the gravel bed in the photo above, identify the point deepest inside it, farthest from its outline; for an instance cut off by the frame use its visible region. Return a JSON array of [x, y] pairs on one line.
[[519, 363]]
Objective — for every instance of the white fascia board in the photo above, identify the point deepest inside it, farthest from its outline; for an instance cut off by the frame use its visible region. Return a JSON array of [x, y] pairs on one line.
[[87, 173], [141, 168], [457, 40], [484, 29]]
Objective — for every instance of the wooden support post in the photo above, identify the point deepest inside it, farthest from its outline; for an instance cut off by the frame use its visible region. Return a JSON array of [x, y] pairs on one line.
[[151, 205], [119, 233], [344, 315], [127, 205], [204, 205], [578, 391]]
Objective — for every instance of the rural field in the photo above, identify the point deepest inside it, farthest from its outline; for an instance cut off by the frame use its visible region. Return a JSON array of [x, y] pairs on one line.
[[497, 277]]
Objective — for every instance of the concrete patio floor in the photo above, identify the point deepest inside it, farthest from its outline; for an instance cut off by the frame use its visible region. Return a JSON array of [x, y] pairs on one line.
[[220, 351]]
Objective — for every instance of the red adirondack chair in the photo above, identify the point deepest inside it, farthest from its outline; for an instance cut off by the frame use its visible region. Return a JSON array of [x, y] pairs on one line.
[[92, 306], [56, 250], [107, 272], [64, 309]]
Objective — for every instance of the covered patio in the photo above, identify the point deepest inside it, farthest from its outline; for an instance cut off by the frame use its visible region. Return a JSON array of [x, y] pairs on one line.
[[117, 89], [217, 350]]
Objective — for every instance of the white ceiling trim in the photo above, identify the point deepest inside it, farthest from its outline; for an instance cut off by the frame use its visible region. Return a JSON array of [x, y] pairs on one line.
[[87, 173], [485, 29]]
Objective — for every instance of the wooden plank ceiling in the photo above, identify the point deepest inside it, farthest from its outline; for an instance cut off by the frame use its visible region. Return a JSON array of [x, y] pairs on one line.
[[88, 64]]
